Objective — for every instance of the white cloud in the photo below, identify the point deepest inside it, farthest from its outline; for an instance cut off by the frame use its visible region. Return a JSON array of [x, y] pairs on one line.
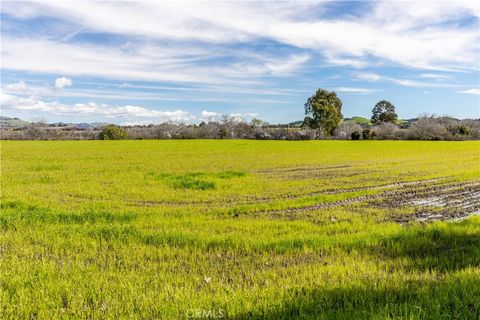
[[282, 66], [242, 117], [125, 113], [62, 82], [354, 90], [372, 77], [209, 113], [475, 91], [435, 76], [368, 76], [210, 116], [19, 86], [411, 34], [420, 84], [137, 123], [236, 116]]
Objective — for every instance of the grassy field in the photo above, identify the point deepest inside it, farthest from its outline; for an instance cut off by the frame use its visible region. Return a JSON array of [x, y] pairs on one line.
[[239, 229]]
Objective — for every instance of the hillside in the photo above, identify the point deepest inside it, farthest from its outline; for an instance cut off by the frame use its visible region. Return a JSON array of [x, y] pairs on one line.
[[10, 123]]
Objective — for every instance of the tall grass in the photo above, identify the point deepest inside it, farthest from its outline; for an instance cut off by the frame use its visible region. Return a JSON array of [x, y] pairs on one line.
[[163, 229]]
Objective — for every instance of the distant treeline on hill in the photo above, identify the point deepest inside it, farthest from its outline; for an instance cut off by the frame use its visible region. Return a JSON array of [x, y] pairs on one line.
[[355, 128]]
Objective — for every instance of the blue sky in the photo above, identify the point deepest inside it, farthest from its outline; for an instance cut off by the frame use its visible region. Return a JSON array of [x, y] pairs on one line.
[[150, 62]]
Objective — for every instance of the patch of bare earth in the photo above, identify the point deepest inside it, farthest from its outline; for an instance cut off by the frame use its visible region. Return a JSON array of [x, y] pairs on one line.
[[432, 200], [448, 201]]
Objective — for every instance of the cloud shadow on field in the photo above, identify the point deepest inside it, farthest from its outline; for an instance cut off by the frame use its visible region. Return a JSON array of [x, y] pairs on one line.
[[439, 251], [442, 247], [426, 300]]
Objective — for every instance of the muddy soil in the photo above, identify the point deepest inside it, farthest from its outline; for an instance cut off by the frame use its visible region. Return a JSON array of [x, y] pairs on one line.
[[432, 200]]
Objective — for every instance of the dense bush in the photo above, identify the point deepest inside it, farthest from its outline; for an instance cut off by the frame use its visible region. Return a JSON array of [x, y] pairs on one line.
[[387, 131], [367, 134], [345, 130], [356, 135], [112, 132]]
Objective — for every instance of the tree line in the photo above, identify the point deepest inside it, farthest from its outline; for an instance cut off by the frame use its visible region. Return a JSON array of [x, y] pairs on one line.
[[323, 120]]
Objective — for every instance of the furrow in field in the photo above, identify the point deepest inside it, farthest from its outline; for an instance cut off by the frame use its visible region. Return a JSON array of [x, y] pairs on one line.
[[450, 202], [455, 200], [252, 200]]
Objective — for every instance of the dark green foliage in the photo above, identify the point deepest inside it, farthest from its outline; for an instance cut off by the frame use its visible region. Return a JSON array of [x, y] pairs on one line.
[[308, 122], [324, 111], [367, 134], [112, 132], [460, 130], [464, 131], [355, 135], [222, 133], [383, 112]]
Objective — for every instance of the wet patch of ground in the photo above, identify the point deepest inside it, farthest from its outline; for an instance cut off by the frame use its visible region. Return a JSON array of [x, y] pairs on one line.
[[449, 201], [432, 200]]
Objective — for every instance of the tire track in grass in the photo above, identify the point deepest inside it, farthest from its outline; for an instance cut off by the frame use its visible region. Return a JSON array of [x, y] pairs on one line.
[[252, 200], [455, 197]]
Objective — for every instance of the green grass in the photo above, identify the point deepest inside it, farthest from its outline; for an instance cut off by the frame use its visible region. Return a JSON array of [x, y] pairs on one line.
[[360, 120], [163, 229]]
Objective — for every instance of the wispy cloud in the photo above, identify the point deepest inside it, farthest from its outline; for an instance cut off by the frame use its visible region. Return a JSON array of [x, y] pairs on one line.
[[373, 77], [19, 86], [407, 33], [435, 76], [475, 91], [48, 56], [355, 90]]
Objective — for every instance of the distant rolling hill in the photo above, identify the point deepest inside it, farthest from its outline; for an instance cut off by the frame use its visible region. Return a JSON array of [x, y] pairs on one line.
[[11, 123]]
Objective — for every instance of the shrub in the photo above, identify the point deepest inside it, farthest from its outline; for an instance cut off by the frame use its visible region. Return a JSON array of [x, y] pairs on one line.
[[428, 128], [367, 134], [346, 128], [355, 135], [460, 130], [112, 132], [386, 131], [223, 133]]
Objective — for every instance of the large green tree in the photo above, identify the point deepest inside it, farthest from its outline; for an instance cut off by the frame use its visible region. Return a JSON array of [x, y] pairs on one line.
[[323, 111], [383, 112]]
